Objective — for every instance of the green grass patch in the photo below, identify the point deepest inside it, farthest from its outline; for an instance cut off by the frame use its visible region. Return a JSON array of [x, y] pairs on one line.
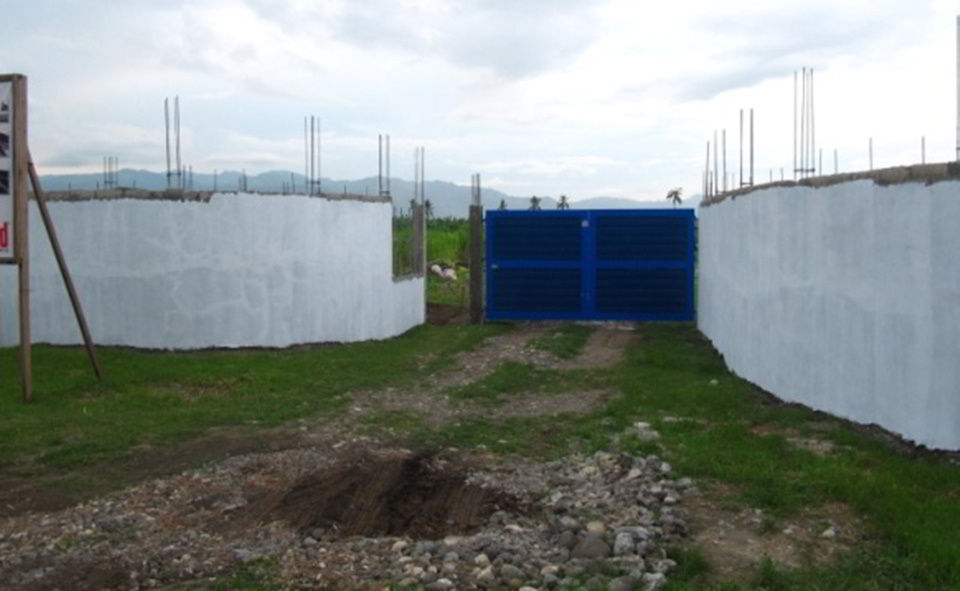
[[566, 341], [151, 397], [712, 424], [512, 377]]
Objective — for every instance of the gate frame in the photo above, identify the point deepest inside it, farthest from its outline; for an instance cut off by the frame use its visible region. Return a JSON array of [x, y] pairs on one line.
[[589, 265]]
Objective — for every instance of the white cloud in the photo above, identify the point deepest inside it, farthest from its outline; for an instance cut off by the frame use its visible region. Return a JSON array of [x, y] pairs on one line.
[[613, 97]]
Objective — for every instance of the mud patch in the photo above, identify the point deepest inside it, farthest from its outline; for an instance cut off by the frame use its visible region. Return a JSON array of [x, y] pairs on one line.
[[414, 495], [735, 539], [604, 347], [538, 405], [813, 444]]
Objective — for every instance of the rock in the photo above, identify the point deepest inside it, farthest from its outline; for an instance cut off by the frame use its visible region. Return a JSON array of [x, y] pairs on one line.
[[550, 569], [597, 582], [567, 540], [513, 528], [481, 560], [399, 546], [666, 468], [627, 583], [509, 572], [526, 588], [425, 548], [591, 547], [654, 581], [829, 533], [440, 585], [596, 527], [623, 544], [451, 557], [567, 522], [486, 575]]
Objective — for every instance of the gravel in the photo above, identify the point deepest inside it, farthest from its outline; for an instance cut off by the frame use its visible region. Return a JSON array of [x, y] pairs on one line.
[[601, 519]]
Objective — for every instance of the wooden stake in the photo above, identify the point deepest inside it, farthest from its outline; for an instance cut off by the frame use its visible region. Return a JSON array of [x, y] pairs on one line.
[[476, 255], [21, 244], [62, 263]]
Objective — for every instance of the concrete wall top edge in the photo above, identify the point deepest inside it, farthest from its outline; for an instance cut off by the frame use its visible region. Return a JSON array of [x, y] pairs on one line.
[[193, 196], [896, 175]]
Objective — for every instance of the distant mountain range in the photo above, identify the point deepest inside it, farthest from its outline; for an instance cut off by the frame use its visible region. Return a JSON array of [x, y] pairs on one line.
[[447, 199]]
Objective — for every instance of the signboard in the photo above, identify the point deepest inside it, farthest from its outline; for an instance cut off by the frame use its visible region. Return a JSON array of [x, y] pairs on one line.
[[6, 168]]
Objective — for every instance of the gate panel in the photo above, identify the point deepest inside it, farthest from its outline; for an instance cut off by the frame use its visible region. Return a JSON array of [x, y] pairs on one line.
[[590, 264]]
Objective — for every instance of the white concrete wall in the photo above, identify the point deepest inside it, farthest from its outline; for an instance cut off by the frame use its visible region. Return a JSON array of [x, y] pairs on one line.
[[241, 270], [845, 298]]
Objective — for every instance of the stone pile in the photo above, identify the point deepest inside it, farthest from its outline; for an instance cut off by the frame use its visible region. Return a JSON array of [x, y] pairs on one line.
[[602, 521]]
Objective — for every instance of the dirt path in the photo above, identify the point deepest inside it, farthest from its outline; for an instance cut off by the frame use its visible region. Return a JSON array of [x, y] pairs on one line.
[[54, 491], [59, 526], [182, 523]]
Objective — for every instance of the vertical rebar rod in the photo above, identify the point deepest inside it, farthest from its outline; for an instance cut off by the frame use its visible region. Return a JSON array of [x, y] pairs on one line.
[[306, 156], [836, 162], [706, 173], [319, 156], [176, 127], [166, 125], [871, 153], [813, 121], [923, 149], [741, 147], [794, 125], [958, 88], [388, 164], [379, 164], [751, 146], [716, 167], [803, 122], [724, 133]]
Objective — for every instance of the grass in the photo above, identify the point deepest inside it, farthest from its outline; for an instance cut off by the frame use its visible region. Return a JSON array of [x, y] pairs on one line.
[[709, 421], [909, 503], [151, 397], [565, 341], [518, 378]]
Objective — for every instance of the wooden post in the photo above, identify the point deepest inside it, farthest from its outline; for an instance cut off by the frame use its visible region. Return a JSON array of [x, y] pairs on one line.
[[21, 243], [417, 237], [62, 263], [476, 264]]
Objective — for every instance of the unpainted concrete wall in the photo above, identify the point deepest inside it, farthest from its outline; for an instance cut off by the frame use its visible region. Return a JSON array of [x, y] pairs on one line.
[[238, 270], [845, 298]]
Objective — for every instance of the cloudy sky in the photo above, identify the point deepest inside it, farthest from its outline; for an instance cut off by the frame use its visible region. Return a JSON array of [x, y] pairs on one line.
[[546, 97]]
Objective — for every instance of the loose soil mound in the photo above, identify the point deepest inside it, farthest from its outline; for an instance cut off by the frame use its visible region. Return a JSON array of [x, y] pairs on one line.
[[411, 495]]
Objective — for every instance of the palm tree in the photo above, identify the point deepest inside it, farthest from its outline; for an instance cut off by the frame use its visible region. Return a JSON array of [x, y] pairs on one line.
[[674, 196], [563, 203], [503, 204], [535, 203]]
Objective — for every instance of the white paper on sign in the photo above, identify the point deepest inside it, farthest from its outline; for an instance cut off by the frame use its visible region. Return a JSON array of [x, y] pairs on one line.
[[6, 168]]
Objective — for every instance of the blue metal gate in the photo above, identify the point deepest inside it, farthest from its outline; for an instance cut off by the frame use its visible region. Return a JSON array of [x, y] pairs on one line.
[[629, 264]]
